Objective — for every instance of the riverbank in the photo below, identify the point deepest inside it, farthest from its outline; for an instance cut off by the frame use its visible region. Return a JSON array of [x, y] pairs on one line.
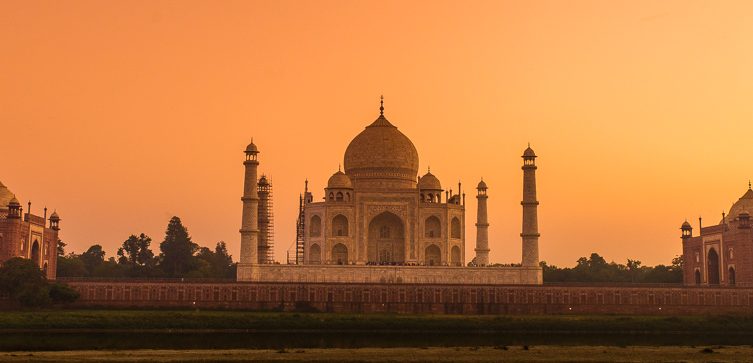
[[413, 355], [80, 330]]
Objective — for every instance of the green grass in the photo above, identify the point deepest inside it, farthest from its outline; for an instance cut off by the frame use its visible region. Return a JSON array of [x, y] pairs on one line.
[[182, 319]]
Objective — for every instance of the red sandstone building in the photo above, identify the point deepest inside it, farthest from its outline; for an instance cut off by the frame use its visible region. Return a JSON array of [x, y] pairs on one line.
[[721, 254], [27, 235]]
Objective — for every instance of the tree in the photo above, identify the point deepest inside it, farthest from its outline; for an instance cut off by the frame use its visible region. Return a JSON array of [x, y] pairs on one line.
[[109, 269], [71, 266], [25, 282], [18, 272], [177, 249], [634, 268], [136, 252], [62, 293], [678, 262], [596, 269], [215, 264], [61, 248], [93, 258], [223, 261]]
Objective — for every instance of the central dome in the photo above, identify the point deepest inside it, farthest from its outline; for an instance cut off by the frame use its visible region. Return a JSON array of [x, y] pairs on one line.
[[382, 154]]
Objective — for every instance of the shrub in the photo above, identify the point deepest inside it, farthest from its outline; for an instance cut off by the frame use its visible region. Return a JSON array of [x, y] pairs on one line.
[[62, 293], [23, 281]]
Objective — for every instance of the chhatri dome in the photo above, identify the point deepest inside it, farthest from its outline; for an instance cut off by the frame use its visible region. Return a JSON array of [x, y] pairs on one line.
[[745, 203], [383, 155], [339, 180], [429, 182]]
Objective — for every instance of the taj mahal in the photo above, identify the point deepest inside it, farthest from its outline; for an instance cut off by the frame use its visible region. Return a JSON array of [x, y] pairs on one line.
[[380, 222]]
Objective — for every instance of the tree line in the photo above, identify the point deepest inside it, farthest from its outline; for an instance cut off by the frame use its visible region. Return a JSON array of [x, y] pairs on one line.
[[596, 269], [179, 257]]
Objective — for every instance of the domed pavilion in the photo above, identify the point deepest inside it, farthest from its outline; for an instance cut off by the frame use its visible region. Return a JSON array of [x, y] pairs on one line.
[[379, 222], [378, 212]]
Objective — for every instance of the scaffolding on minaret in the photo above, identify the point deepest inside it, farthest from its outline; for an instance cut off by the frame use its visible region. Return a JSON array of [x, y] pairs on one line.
[[300, 228], [266, 221]]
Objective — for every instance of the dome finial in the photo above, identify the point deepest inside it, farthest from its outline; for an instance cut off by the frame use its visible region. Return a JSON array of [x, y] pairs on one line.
[[428, 169], [339, 167], [749, 184], [381, 105]]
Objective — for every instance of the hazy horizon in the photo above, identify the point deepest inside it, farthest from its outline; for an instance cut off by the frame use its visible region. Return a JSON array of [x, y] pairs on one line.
[[120, 115]]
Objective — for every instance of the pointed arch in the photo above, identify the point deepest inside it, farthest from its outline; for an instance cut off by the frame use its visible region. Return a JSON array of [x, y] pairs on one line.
[[315, 228], [432, 227], [713, 267], [339, 226], [697, 276], [455, 256], [315, 254], [432, 256], [731, 275], [455, 228], [340, 254], [35, 252]]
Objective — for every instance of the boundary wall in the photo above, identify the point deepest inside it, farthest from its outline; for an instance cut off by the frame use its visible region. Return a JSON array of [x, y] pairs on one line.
[[415, 298]]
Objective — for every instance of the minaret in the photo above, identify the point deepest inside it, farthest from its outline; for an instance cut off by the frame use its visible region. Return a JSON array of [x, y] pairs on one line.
[[530, 233], [482, 226], [266, 221], [250, 223]]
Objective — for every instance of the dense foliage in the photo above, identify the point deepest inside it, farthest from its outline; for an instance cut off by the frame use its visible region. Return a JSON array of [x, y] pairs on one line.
[[180, 257], [25, 282], [596, 269]]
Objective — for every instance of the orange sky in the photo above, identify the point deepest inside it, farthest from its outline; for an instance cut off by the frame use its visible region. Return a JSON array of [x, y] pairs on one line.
[[121, 114]]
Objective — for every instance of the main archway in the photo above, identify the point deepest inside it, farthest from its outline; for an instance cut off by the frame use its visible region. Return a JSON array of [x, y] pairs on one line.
[[386, 243], [35, 252], [713, 267]]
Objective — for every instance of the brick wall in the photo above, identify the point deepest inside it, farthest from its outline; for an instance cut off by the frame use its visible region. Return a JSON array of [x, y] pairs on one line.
[[416, 298]]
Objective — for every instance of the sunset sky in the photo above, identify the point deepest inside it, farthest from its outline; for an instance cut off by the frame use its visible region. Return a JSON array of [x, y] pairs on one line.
[[121, 114]]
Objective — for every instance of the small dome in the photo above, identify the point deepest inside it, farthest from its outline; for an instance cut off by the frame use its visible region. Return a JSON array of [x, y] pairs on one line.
[[14, 202], [54, 216], [686, 225], [744, 214], [263, 180], [339, 180], [251, 148], [481, 185], [429, 182], [529, 153]]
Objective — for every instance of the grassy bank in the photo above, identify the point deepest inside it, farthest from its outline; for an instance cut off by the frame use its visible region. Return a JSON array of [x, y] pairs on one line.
[[191, 320]]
